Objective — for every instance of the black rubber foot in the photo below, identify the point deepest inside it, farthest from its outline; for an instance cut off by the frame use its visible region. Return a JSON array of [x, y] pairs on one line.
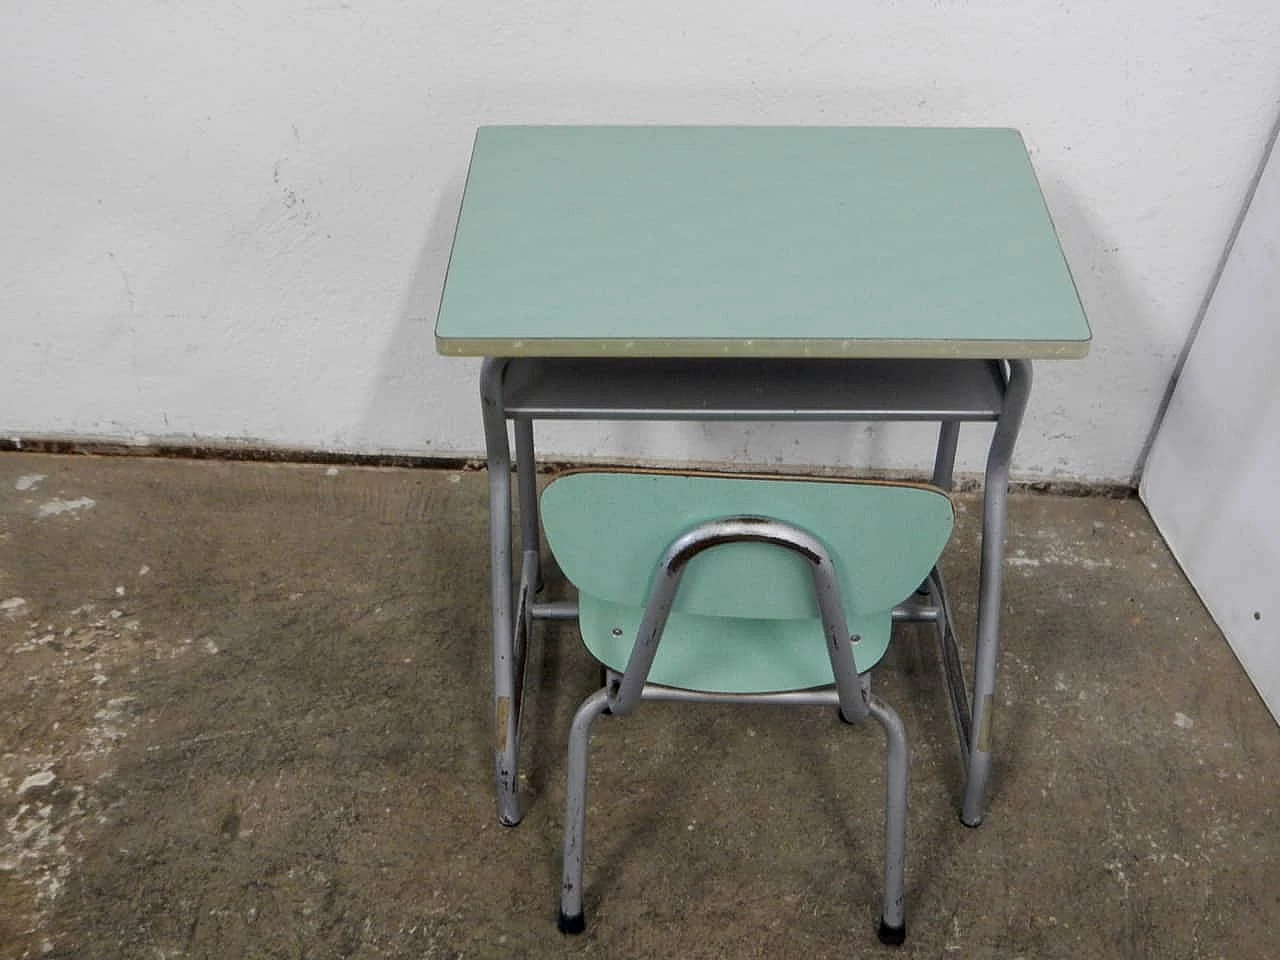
[[892, 936], [571, 925]]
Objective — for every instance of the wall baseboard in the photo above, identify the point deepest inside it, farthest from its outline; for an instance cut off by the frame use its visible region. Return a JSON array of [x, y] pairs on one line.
[[262, 454]]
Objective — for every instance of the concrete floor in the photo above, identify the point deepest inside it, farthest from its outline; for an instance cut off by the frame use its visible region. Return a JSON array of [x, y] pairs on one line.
[[244, 713]]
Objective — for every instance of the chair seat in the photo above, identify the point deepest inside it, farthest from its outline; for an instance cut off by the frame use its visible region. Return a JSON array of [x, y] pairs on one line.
[[726, 654]]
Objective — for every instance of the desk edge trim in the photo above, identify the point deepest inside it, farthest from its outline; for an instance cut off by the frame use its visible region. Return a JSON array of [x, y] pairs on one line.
[[780, 348]]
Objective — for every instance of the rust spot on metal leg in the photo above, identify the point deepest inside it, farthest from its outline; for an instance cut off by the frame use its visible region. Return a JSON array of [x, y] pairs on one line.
[[984, 728], [502, 711]]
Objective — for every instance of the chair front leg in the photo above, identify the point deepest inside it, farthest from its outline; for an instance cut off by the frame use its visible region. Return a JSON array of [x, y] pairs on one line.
[[893, 921], [572, 919]]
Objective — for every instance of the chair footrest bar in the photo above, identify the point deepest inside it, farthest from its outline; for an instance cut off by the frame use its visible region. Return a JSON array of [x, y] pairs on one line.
[[568, 610], [914, 611], [555, 610]]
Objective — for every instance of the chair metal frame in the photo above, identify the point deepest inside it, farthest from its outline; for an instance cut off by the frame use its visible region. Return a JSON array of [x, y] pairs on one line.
[[623, 692]]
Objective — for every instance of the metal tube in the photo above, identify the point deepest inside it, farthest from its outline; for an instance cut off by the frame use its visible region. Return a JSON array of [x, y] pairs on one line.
[[995, 498], [952, 669], [822, 697], [505, 668], [944, 466], [944, 462], [575, 812], [893, 919], [915, 613], [555, 610], [527, 485], [853, 690], [520, 643]]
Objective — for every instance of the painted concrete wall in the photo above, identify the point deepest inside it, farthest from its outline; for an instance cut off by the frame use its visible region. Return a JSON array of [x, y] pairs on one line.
[[1210, 482], [227, 221]]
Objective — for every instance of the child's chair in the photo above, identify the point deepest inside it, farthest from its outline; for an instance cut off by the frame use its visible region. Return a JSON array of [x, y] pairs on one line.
[[724, 588]]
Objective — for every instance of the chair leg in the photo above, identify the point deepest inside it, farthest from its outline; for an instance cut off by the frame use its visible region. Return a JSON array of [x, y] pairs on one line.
[[893, 923], [572, 919]]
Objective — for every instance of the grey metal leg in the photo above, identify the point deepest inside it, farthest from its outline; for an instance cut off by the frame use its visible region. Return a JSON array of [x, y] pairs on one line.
[[527, 484], [572, 919], [995, 495], [944, 467], [893, 921], [952, 669], [944, 464], [506, 671]]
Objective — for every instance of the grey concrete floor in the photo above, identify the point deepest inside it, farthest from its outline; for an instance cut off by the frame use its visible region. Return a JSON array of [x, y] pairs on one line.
[[244, 712]]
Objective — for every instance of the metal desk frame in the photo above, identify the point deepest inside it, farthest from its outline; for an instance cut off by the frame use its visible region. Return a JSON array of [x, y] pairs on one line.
[[948, 392]]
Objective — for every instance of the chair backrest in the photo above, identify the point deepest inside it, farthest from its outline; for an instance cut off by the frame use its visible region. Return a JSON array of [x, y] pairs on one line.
[[608, 530]]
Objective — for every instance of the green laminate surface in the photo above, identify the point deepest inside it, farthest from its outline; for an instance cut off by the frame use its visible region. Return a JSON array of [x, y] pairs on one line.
[[756, 241], [729, 654], [745, 618]]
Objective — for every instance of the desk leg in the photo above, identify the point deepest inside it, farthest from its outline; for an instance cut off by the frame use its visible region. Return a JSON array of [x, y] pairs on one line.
[[995, 497], [505, 669], [944, 463], [527, 484], [944, 466]]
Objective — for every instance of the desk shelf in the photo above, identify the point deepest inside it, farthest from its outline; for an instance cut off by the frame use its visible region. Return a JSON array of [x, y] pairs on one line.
[[712, 389]]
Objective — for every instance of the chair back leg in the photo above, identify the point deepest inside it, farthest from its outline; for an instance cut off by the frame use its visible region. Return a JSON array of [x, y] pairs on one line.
[[571, 919]]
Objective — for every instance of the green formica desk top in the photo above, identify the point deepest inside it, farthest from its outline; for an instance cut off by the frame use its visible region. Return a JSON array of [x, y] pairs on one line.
[[756, 241]]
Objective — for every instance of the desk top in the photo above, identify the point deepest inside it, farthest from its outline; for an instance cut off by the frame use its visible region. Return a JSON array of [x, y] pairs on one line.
[[756, 241]]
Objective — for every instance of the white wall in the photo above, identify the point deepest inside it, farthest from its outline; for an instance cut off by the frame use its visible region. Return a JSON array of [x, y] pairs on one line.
[[227, 221], [1210, 482]]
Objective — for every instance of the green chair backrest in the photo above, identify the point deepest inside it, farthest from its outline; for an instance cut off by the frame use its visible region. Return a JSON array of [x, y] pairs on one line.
[[608, 530]]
